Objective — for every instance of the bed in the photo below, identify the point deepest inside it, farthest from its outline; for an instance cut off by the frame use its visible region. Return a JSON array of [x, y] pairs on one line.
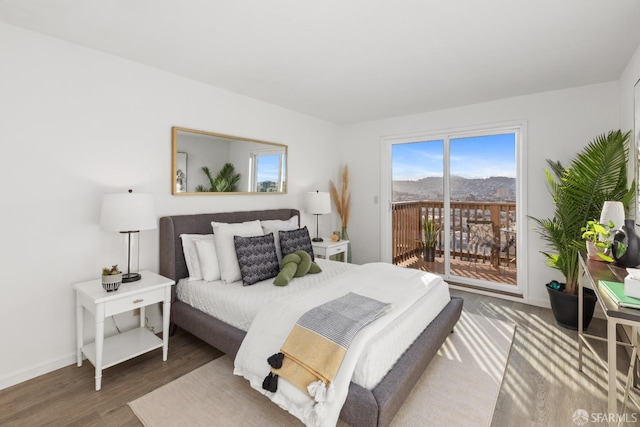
[[363, 407]]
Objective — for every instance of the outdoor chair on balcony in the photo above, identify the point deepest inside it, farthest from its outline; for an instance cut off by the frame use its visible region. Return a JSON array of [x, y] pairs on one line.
[[482, 239]]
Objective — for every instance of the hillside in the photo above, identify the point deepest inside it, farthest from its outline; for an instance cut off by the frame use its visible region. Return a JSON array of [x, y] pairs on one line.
[[493, 189]]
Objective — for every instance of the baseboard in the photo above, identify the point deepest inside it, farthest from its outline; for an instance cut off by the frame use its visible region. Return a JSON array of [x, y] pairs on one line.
[[36, 371]]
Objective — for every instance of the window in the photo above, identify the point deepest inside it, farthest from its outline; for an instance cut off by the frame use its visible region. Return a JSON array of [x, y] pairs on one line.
[[268, 172]]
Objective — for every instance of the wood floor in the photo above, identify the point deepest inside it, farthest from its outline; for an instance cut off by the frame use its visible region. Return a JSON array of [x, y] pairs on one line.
[[506, 273], [541, 387]]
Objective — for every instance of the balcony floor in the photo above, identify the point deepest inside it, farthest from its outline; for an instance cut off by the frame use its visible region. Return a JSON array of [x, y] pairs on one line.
[[483, 271]]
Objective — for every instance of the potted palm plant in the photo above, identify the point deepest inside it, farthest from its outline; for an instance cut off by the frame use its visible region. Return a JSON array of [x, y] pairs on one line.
[[225, 182], [597, 174], [431, 232]]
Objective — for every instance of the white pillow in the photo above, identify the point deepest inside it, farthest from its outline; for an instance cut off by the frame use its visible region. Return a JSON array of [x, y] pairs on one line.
[[208, 260], [191, 253], [223, 236], [275, 225]]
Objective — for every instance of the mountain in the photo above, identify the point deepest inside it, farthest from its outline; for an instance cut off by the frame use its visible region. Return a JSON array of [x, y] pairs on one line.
[[492, 189]]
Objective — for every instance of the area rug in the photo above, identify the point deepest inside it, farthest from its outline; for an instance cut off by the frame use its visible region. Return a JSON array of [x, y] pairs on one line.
[[459, 388]]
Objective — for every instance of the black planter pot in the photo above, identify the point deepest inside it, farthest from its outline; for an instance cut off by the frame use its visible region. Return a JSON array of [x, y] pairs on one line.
[[429, 254], [565, 307]]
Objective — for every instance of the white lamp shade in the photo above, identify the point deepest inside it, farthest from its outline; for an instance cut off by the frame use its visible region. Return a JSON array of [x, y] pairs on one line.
[[317, 203], [127, 212], [614, 212]]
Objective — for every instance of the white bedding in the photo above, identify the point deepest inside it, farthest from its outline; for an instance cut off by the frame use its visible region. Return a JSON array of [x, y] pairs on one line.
[[384, 282], [238, 305]]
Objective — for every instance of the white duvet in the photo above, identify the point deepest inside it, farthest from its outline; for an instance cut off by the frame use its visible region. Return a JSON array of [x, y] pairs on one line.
[[238, 305], [271, 326]]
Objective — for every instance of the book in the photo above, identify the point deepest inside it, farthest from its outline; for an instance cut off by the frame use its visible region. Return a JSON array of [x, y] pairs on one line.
[[616, 291]]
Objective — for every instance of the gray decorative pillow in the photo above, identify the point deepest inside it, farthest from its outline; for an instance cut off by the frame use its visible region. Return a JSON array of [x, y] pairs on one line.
[[257, 258], [295, 240]]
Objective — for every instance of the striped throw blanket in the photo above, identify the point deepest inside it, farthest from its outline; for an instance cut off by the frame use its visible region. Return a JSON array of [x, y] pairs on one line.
[[313, 352]]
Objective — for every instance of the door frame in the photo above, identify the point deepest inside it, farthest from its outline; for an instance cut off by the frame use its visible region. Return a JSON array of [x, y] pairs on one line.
[[386, 193]]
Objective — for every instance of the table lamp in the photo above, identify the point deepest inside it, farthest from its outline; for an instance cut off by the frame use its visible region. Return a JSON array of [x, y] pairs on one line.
[[317, 203], [128, 213]]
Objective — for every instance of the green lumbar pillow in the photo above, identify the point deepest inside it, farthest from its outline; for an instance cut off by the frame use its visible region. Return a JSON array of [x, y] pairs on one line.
[[296, 264]]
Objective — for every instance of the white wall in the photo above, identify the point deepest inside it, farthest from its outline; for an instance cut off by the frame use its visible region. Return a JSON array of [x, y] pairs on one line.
[[559, 124], [626, 84], [628, 79], [76, 124]]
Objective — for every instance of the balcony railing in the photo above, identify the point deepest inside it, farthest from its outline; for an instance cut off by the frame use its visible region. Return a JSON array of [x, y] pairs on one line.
[[407, 227]]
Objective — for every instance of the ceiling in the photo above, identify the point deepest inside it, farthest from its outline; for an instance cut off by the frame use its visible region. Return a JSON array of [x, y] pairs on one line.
[[349, 61]]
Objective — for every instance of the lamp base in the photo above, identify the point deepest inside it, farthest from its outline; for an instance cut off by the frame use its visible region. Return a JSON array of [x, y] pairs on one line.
[[317, 239], [131, 277]]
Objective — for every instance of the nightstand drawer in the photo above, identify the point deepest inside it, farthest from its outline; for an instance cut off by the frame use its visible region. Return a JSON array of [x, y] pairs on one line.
[[336, 250], [133, 301]]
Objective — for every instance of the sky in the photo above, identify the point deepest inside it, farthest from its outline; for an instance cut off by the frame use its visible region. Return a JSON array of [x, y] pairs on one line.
[[268, 168], [474, 157]]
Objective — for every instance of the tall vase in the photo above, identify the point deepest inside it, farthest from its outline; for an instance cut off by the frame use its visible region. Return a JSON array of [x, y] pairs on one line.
[[626, 245], [345, 236]]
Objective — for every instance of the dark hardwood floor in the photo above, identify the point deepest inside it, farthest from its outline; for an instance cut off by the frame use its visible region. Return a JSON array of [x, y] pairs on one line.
[[541, 387], [67, 397]]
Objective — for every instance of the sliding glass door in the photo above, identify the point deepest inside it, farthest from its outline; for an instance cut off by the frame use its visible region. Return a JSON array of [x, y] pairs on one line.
[[454, 205]]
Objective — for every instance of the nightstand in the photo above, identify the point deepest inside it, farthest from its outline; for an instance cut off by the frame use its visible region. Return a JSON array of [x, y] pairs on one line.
[[103, 353], [326, 248]]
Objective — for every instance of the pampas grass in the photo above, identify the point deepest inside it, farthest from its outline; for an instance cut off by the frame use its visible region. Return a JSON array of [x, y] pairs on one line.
[[342, 200]]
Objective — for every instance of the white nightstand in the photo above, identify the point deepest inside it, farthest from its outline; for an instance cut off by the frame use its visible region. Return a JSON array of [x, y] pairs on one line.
[[103, 353], [326, 248]]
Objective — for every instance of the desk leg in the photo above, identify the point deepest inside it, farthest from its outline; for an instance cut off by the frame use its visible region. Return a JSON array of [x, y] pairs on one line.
[[613, 369], [580, 321], [79, 330], [99, 344], [166, 313]]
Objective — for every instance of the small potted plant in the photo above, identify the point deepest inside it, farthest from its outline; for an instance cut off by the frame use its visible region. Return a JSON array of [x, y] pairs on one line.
[[597, 238], [111, 278], [431, 232]]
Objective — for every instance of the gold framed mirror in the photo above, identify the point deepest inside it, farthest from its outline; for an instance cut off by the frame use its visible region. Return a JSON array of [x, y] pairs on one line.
[[212, 163]]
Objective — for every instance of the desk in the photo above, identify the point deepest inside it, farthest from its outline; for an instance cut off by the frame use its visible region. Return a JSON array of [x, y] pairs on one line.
[[592, 272]]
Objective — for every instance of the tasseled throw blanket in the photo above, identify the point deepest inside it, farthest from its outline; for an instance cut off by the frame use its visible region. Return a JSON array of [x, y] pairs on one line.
[[313, 352], [401, 287]]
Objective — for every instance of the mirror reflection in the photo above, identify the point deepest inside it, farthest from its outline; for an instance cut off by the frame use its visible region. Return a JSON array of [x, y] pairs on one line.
[[211, 163]]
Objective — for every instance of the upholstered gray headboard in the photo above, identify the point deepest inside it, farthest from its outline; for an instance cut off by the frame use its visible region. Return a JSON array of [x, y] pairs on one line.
[[172, 263]]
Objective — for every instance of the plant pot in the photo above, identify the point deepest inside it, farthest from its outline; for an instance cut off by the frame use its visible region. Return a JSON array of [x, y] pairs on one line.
[[111, 282], [593, 251], [565, 307], [429, 254]]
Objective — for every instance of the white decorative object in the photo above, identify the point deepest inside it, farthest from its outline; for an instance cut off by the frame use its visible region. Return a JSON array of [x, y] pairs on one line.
[[128, 213], [317, 203], [632, 283], [614, 212]]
